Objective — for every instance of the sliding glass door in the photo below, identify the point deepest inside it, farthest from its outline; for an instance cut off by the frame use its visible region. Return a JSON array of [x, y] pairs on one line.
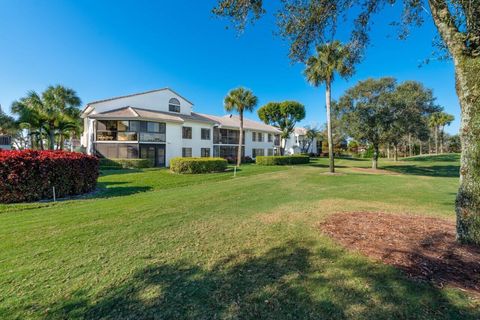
[[155, 152]]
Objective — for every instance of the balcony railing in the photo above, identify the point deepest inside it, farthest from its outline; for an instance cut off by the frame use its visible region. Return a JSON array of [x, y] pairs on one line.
[[152, 137], [106, 135]]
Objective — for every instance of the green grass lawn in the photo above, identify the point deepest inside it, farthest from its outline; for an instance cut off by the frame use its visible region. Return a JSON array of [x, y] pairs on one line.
[[152, 244]]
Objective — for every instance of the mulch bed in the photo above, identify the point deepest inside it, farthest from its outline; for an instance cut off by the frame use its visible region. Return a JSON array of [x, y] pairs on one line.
[[423, 247]]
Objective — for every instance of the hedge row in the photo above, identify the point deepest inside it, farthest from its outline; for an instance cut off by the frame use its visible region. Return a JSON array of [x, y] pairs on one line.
[[282, 160], [125, 163], [30, 175], [198, 165]]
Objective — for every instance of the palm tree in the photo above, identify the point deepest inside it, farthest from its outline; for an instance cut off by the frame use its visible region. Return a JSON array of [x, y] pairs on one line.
[[57, 104], [240, 100], [331, 58], [433, 123], [444, 119]]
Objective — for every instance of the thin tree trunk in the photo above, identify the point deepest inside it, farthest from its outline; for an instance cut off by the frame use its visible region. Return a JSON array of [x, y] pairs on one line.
[[436, 140], [420, 149], [442, 134], [240, 141], [32, 140], [51, 133], [375, 157], [388, 151], [429, 145], [410, 145], [328, 98], [42, 147], [395, 152]]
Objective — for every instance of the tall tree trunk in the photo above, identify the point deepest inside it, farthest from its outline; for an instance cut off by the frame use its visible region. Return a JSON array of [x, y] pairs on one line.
[[395, 152], [375, 157], [328, 98], [410, 145], [467, 76], [32, 140], [240, 141], [442, 134], [429, 145], [436, 140], [388, 151], [51, 133], [468, 197], [420, 149]]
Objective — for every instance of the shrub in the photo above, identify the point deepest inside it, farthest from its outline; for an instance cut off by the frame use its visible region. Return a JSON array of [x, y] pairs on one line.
[[282, 160], [125, 163], [198, 165], [30, 175]]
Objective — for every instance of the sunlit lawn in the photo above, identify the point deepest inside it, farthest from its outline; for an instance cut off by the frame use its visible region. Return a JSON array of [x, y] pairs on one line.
[[152, 244]]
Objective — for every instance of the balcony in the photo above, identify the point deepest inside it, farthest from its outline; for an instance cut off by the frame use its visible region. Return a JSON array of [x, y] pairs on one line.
[[107, 135]]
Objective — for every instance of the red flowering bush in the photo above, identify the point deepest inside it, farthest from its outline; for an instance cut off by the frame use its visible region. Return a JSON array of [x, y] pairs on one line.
[[30, 175]]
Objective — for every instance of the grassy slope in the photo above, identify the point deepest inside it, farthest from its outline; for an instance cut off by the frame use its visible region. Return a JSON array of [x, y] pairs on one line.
[[209, 246]]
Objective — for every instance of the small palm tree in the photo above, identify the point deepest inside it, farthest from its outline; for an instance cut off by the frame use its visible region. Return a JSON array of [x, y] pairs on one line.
[[240, 100], [444, 119], [56, 104], [331, 58]]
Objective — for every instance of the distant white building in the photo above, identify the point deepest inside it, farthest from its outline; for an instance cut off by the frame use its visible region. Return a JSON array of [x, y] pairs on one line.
[[5, 142], [297, 143], [161, 125]]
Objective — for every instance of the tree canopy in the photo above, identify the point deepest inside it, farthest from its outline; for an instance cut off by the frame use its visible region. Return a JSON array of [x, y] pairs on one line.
[[283, 115]]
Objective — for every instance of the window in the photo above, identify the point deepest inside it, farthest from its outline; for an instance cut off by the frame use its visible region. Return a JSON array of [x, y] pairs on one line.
[[270, 152], [152, 131], [254, 136], [205, 134], [153, 127], [205, 152], [270, 137], [174, 105], [259, 137], [277, 140], [186, 152], [114, 150], [112, 130], [187, 132], [257, 152]]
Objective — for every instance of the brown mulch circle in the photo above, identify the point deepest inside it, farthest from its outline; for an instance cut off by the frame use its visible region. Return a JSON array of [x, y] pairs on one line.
[[423, 247]]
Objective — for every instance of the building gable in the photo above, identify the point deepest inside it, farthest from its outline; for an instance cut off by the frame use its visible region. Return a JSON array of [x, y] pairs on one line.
[[157, 100]]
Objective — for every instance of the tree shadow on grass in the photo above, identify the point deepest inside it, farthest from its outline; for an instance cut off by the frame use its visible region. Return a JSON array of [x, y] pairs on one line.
[[451, 157], [115, 189], [287, 282], [452, 171]]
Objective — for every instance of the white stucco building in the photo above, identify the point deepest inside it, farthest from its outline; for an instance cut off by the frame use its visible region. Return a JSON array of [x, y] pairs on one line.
[[297, 143], [160, 125]]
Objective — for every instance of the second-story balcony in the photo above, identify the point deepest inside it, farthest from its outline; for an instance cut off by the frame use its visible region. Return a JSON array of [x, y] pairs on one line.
[[132, 131]]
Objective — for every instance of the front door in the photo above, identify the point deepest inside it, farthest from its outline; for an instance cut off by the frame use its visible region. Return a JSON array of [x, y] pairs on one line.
[[155, 152]]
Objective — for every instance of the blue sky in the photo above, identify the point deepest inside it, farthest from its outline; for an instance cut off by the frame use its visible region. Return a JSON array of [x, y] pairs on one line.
[[109, 48]]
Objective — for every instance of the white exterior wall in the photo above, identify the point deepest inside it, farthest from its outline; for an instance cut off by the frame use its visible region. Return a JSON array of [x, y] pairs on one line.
[[265, 145], [157, 101], [293, 145], [196, 143]]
